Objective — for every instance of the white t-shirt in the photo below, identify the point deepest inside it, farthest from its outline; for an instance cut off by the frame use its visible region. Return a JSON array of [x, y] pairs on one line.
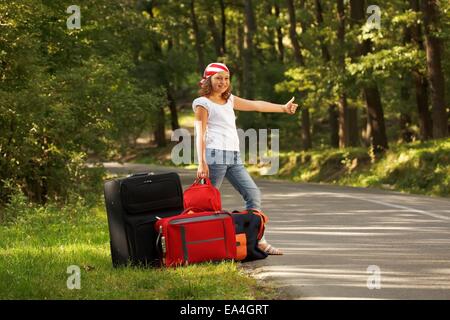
[[221, 130]]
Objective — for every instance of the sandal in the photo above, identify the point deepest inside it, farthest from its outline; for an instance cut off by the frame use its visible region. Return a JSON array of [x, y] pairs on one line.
[[267, 248]]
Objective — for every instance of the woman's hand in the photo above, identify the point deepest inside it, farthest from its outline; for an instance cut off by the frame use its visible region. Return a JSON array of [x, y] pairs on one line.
[[290, 107], [202, 170]]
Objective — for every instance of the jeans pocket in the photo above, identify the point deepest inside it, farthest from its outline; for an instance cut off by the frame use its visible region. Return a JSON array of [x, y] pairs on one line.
[[210, 155], [237, 158]]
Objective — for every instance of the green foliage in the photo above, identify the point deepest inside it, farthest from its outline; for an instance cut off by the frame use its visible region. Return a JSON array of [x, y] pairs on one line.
[[67, 95], [421, 168], [18, 205], [71, 95], [387, 63]]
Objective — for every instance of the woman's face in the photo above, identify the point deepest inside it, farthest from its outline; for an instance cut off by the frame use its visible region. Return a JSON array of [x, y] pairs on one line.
[[220, 82]]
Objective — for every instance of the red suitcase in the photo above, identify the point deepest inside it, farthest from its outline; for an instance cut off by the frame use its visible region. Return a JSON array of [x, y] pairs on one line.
[[196, 237]]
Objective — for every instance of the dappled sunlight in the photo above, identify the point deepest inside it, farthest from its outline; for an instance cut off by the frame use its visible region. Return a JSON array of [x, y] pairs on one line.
[[58, 250], [124, 91], [328, 233], [350, 281], [35, 267], [330, 238], [358, 228], [356, 277]]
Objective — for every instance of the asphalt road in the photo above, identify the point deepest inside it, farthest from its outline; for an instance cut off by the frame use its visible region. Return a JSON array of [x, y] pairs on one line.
[[345, 243]]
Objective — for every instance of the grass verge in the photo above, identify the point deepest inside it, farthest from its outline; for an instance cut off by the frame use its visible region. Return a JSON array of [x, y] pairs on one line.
[[39, 243]]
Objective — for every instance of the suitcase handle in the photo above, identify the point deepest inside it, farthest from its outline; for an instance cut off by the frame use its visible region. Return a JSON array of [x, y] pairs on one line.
[[158, 238], [141, 174], [197, 181], [160, 246]]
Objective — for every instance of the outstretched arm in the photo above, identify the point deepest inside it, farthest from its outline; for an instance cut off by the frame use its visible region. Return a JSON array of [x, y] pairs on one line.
[[264, 106]]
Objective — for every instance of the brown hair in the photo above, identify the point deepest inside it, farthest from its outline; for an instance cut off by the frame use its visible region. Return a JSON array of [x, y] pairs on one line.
[[206, 89]]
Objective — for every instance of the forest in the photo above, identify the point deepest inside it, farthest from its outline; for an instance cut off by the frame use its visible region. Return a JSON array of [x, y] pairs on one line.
[[373, 76]]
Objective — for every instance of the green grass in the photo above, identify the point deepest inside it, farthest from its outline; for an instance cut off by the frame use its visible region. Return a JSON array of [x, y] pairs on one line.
[[38, 244]]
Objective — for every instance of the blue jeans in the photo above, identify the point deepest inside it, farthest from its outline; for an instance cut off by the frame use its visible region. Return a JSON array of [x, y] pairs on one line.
[[224, 163]]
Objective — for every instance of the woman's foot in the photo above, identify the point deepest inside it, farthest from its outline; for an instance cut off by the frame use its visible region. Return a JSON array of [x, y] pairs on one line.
[[269, 249]]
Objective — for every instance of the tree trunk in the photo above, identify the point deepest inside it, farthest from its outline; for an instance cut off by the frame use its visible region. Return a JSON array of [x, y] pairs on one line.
[[343, 110], [405, 118], [159, 131], [215, 34], [376, 118], [306, 130], [319, 18], [352, 112], [333, 122], [279, 34], [305, 127], [240, 52], [406, 134], [293, 33], [343, 121], [433, 45], [249, 32], [171, 98], [425, 124], [421, 82], [371, 93], [271, 32], [173, 110], [201, 59], [333, 115]]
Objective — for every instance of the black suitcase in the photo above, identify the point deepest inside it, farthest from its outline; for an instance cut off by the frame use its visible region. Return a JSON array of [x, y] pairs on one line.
[[132, 205]]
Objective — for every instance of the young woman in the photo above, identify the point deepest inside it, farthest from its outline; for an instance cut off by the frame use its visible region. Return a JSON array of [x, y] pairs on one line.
[[217, 137]]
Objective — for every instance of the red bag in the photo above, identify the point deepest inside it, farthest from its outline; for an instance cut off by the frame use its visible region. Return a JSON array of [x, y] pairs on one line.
[[196, 237], [203, 196]]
